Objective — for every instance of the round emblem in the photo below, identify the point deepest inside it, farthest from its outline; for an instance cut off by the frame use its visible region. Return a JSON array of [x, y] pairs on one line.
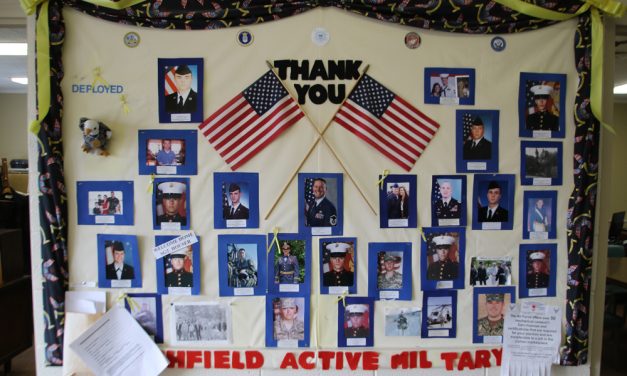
[[131, 39], [320, 36], [498, 44], [412, 40], [245, 38]]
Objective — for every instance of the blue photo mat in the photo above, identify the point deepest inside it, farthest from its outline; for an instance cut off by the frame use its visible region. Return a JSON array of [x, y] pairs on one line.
[[402, 249], [476, 163], [439, 319], [428, 234], [342, 321], [146, 167], [303, 312], [511, 290], [458, 185], [325, 260], [335, 195], [526, 290], [161, 269], [479, 194], [249, 188], [85, 203], [549, 211], [255, 247], [430, 80], [196, 66], [131, 258], [303, 287], [532, 171], [526, 101], [409, 182], [185, 201], [158, 335]]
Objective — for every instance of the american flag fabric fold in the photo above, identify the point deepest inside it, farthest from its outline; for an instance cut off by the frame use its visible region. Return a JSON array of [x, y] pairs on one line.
[[251, 121], [387, 122]]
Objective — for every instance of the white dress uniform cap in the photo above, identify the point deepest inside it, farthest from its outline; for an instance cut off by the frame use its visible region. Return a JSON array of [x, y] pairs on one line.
[[541, 90], [537, 256], [443, 240], [444, 75], [338, 249], [356, 308], [172, 187]]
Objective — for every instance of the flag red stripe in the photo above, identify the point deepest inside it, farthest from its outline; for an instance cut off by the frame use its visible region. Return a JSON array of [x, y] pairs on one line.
[[401, 126], [219, 113], [432, 127], [169, 80], [234, 126]]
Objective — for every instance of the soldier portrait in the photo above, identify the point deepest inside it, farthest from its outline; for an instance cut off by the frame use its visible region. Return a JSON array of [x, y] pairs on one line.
[[541, 102], [119, 264], [180, 85], [236, 200], [289, 263], [541, 163], [447, 201], [356, 321], [390, 270], [338, 262], [320, 204], [442, 258], [491, 304], [179, 267], [538, 270], [289, 318], [171, 210], [242, 265]]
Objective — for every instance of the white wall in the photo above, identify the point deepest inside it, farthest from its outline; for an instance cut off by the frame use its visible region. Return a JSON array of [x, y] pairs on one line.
[[13, 126]]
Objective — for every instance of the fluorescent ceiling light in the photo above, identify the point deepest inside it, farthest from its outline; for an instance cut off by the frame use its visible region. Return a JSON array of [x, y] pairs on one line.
[[13, 49], [20, 80], [620, 89]]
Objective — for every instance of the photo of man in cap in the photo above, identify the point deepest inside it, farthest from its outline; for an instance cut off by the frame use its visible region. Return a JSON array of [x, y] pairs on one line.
[[542, 119], [477, 147], [493, 212], [184, 100], [171, 194], [178, 276], [118, 269], [338, 275], [389, 277], [444, 269], [236, 210], [286, 269], [492, 323], [537, 275], [356, 325], [287, 324], [320, 212]]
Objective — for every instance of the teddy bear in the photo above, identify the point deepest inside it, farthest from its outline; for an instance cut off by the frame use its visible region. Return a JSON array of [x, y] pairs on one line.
[[95, 136]]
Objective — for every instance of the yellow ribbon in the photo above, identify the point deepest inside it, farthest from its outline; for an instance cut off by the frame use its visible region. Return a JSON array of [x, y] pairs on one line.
[[611, 7], [540, 12], [382, 178], [422, 234], [342, 298], [125, 107], [275, 240], [152, 182], [98, 77], [131, 302]]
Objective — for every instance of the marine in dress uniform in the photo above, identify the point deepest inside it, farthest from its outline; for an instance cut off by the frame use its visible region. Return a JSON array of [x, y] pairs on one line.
[[287, 327], [492, 324], [537, 278], [542, 119], [171, 194], [356, 329], [178, 277], [185, 99], [236, 210], [444, 269], [286, 267], [338, 275]]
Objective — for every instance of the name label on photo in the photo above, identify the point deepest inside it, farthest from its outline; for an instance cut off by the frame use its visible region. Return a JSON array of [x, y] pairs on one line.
[[388, 294], [398, 222], [120, 283], [105, 219], [235, 223], [180, 118], [491, 225], [538, 292], [321, 231], [166, 170], [476, 166], [243, 291], [285, 287]]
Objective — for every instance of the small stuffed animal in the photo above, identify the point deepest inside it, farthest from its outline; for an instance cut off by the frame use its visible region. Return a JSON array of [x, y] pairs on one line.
[[95, 136]]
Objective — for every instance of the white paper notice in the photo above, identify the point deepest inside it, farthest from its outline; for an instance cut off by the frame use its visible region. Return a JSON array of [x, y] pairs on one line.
[[117, 345], [175, 244], [531, 339], [89, 302]]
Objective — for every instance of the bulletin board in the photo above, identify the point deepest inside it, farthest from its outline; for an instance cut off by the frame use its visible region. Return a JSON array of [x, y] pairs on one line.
[[95, 55]]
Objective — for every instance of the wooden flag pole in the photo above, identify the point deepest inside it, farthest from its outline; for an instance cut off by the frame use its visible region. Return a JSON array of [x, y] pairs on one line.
[[320, 137]]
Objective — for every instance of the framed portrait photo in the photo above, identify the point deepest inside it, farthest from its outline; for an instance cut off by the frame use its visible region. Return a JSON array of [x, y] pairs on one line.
[[289, 264], [439, 314], [448, 200], [178, 273], [320, 204], [494, 202], [338, 266], [541, 105], [236, 200], [449, 86], [118, 261], [104, 203], [442, 257], [167, 152], [402, 321], [477, 143], [537, 271], [287, 321], [171, 204], [180, 90], [539, 208], [197, 324], [146, 310], [355, 322], [489, 307], [540, 163], [242, 262], [491, 271], [389, 271], [397, 201]]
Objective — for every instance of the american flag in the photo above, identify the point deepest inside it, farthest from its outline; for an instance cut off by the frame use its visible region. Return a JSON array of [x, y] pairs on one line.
[[309, 196], [251, 121], [170, 86], [467, 120], [435, 192], [225, 200], [387, 122], [529, 102]]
